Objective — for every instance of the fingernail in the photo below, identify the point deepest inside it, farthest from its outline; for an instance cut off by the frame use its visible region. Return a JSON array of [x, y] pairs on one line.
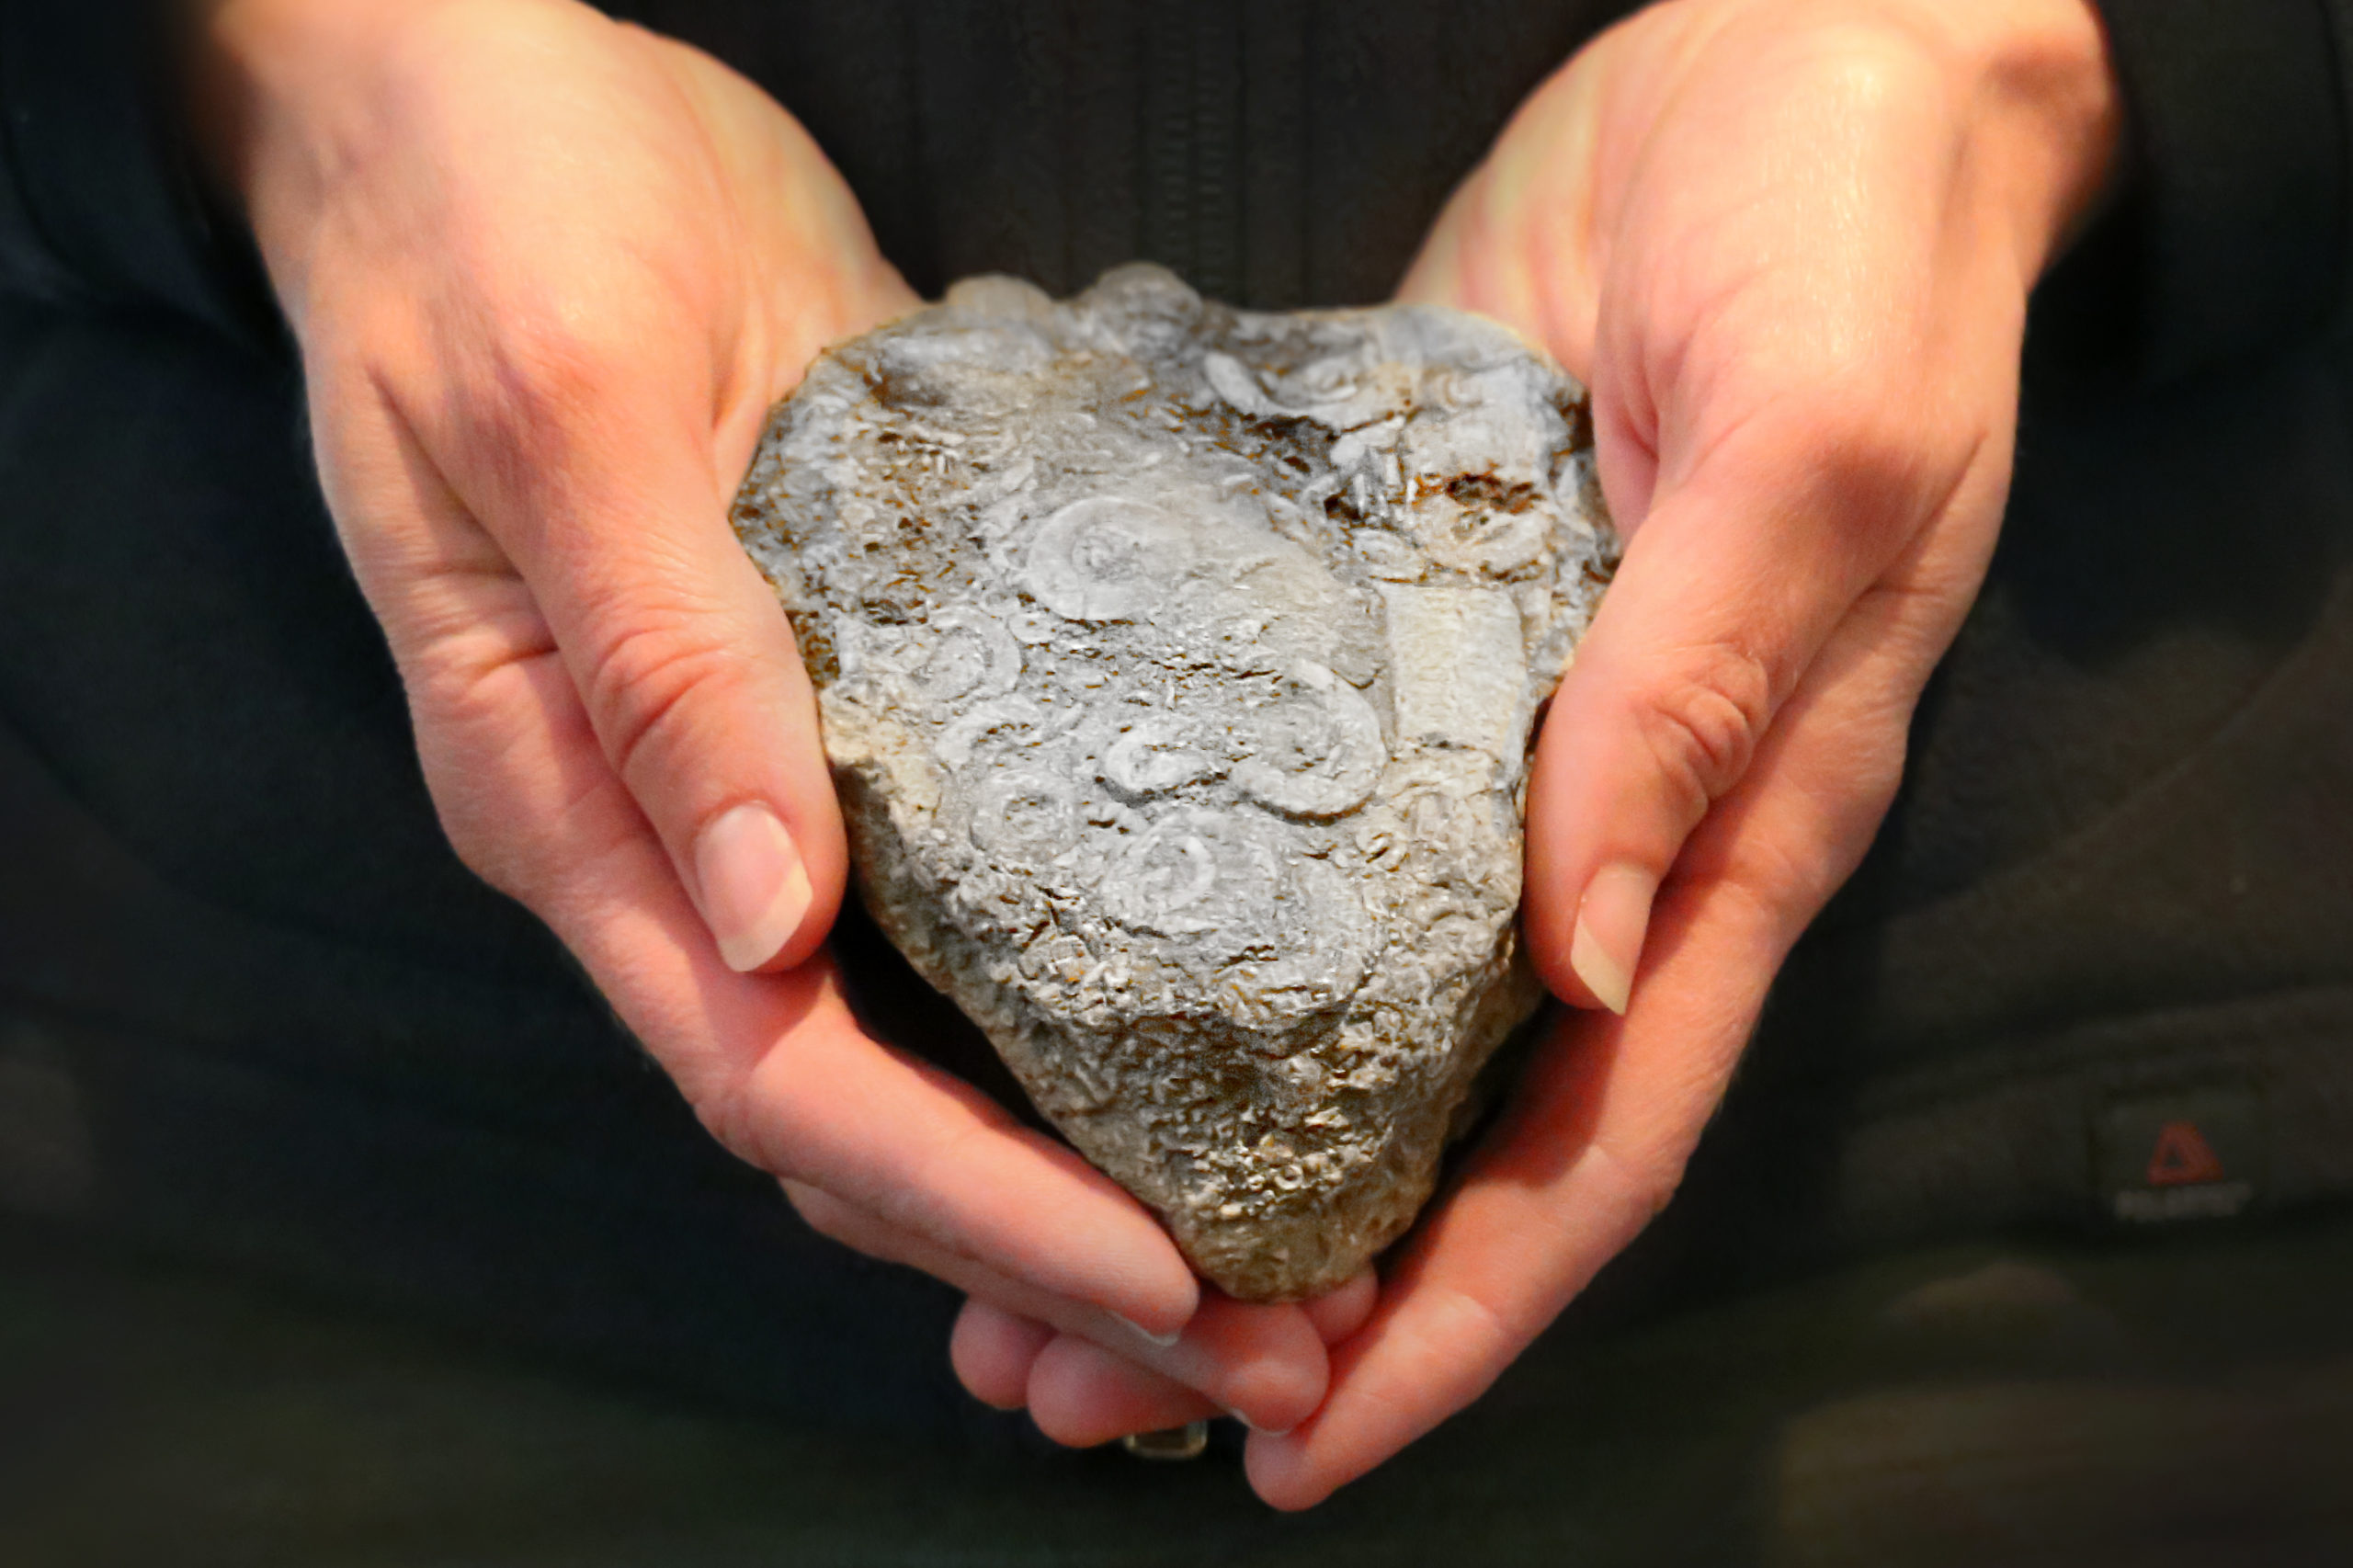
[[1612, 921], [1163, 1340], [754, 889]]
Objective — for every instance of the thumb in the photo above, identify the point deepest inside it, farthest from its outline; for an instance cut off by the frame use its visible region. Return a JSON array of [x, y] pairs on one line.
[[1746, 560], [609, 499]]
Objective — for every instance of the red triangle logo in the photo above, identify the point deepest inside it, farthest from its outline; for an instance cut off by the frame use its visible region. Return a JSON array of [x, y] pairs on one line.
[[2182, 1157]]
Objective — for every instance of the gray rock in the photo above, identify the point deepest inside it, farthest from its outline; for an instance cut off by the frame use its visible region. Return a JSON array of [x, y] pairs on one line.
[[1177, 667]]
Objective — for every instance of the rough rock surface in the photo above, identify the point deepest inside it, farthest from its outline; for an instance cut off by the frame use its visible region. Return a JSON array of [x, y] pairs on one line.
[[1177, 667]]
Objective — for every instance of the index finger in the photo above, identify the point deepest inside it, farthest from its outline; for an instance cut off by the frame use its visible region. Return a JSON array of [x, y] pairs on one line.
[[775, 1064], [1592, 1148], [777, 1068], [1601, 1124]]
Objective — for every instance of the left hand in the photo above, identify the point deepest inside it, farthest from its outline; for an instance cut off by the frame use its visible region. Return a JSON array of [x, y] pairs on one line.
[[548, 273], [1788, 245]]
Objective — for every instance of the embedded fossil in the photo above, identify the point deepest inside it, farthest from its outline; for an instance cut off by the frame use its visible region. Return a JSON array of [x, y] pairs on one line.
[[1177, 667]]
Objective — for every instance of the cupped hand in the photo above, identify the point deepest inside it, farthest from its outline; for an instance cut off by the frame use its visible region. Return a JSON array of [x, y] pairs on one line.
[[1788, 245], [547, 274]]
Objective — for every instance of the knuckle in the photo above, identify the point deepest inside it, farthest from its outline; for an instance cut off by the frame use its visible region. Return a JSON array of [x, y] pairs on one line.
[[546, 371], [1060, 1418], [823, 1213], [1865, 445], [477, 849], [465, 693], [649, 677], [543, 390], [724, 1111], [469, 817], [1702, 721], [1484, 1332], [743, 1119], [1875, 69], [1647, 1183]]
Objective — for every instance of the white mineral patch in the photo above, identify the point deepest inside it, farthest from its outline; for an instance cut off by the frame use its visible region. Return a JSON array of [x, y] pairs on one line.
[[1461, 675], [1177, 664]]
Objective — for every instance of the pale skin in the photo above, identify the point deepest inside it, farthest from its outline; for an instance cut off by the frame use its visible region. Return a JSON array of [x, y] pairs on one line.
[[547, 273]]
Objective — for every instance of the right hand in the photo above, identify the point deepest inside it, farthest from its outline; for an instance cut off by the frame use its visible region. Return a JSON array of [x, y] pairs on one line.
[[1788, 243], [548, 273]]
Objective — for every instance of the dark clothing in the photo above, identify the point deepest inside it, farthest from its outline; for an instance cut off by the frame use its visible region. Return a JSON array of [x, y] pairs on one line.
[[2042, 1405], [1277, 154], [288, 1027]]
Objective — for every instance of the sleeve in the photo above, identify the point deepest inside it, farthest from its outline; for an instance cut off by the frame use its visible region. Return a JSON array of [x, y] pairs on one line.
[[99, 197], [2235, 208]]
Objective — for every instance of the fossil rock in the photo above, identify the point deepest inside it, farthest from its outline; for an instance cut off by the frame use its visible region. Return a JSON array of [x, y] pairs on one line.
[[1177, 667]]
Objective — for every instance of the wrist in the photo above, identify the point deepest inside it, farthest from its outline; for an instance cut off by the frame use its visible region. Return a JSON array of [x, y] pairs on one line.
[[259, 62], [281, 82], [291, 100], [2040, 87]]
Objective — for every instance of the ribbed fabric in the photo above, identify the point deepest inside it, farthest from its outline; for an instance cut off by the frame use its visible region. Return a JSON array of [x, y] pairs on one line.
[[2239, 121], [102, 200], [305, 1037], [1279, 153]]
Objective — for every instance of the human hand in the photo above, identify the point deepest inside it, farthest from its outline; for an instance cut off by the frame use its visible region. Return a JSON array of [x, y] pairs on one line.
[[1788, 245], [547, 274]]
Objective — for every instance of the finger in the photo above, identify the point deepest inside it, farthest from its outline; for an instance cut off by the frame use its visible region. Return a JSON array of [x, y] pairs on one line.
[[937, 1159], [696, 689], [1586, 1157], [1601, 1125], [1094, 1400], [590, 454], [778, 1070], [1265, 1363], [777, 1067], [993, 1351], [1341, 1312], [1081, 1394], [1729, 589]]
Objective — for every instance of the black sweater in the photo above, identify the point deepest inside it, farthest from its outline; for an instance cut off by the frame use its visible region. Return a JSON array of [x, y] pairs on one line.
[[2121, 866], [1291, 157]]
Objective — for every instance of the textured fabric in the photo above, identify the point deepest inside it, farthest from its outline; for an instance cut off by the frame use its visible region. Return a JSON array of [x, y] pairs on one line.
[[2035, 1405], [2122, 850], [101, 199], [2240, 127], [1277, 153]]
